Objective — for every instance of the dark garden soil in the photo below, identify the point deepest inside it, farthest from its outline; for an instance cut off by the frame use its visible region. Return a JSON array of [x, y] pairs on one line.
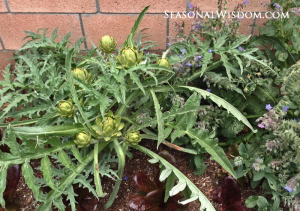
[[139, 162]]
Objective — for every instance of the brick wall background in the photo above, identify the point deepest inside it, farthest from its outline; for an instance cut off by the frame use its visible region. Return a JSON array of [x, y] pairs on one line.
[[95, 18]]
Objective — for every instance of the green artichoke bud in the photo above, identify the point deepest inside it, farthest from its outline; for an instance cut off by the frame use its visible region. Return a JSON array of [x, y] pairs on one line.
[[129, 57], [82, 74], [66, 108], [109, 127], [133, 137], [83, 139], [163, 63], [107, 44]]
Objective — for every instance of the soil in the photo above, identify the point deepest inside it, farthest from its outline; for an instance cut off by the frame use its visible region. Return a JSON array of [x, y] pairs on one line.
[[139, 162]]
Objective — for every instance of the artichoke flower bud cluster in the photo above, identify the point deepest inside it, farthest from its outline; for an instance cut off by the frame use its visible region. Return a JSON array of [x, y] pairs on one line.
[[129, 57], [82, 74], [107, 44], [66, 108], [133, 137], [163, 63], [109, 127], [83, 139]]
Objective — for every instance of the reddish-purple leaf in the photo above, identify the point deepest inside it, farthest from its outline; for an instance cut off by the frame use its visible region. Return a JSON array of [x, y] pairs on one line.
[[144, 183], [12, 181], [155, 197], [167, 156], [229, 196], [138, 203]]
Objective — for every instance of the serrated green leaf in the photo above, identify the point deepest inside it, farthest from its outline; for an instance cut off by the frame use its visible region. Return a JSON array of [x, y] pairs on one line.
[[164, 174], [169, 185], [3, 173], [71, 197], [46, 168], [160, 121]]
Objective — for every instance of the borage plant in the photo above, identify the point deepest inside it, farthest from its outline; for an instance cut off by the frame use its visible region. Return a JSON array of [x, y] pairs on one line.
[[72, 111]]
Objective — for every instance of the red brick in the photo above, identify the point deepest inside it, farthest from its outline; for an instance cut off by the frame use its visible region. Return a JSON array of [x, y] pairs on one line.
[[2, 7], [119, 27], [134, 6], [68, 6], [12, 27], [4, 61], [260, 22], [245, 26], [212, 5]]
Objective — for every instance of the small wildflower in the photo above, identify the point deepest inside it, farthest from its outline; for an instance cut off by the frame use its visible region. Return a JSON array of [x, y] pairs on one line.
[[295, 120], [199, 26], [181, 56], [192, 14], [183, 50], [188, 64], [240, 48], [241, 18], [199, 57], [289, 189], [210, 51], [269, 107], [285, 108], [238, 161], [277, 5], [208, 90], [261, 125], [200, 66], [246, 2], [191, 6], [169, 44], [125, 178]]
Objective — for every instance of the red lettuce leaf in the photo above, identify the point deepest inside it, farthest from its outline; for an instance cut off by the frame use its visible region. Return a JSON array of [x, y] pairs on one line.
[[144, 183], [12, 181], [229, 196]]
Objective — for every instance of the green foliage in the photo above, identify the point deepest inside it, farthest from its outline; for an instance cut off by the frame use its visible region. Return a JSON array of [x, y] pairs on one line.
[[145, 97]]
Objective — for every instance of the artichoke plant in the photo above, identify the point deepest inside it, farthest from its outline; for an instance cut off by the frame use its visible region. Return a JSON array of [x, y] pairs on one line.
[[129, 57], [83, 139], [133, 137], [163, 63], [66, 108], [82, 74], [109, 127], [107, 44]]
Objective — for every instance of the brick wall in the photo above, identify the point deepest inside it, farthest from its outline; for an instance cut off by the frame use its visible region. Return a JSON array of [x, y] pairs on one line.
[[95, 18]]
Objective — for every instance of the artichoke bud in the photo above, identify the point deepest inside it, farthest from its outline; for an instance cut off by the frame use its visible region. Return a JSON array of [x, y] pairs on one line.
[[163, 63], [83, 139], [109, 127], [133, 137], [66, 108], [129, 57], [82, 74], [107, 44]]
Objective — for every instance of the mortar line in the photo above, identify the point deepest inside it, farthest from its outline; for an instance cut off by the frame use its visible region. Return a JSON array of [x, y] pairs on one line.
[[76, 13], [187, 6], [97, 6], [6, 5], [82, 30], [2, 44], [253, 28], [168, 32]]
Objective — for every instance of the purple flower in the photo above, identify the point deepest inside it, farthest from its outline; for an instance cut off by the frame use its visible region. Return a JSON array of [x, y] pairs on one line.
[[199, 57], [180, 69], [285, 108], [169, 44], [261, 125], [246, 2], [181, 56], [125, 178], [208, 90], [289, 189], [240, 48], [210, 51], [277, 5], [269, 107], [188, 64], [183, 50], [198, 26], [192, 14], [295, 120], [191, 6], [241, 18], [200, 66]]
